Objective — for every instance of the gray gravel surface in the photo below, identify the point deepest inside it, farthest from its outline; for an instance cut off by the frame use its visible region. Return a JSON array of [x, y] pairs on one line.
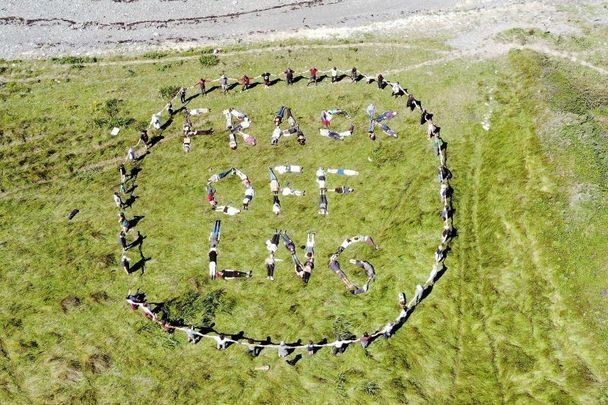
[[45, 28]]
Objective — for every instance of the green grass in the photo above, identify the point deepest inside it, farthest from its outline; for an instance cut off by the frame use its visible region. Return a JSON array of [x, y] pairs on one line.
[[518, 317]]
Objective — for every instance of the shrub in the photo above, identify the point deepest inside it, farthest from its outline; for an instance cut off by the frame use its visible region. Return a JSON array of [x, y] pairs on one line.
[[69, 60], [209, 60], [109, 115], [155, 55], [168, 92]]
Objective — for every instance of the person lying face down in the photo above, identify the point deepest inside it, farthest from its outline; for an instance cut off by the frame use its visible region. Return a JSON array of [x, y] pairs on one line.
[[328, 115], [226, 209], [186, 143], [284, 169], [273, 243], [270, 263], [343, 190], [366, 266], [276, 205], [343, 172], [289, 245], [338, 136], [211, 195], [289, 191], [275, 187], [214, 236], [323, 205], [212, 262], [228, 274], [249, 192], [320, 173]]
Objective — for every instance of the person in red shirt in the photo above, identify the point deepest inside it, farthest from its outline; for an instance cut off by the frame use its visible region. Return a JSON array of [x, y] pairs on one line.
[[313, 75], [211, 195]]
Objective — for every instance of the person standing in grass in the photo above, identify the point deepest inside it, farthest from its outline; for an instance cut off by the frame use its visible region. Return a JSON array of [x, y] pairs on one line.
[[310, 348], [224, 83], [118, 200], [145, 139], [283, 350], [169, 108], [220, 341], [131, 155], [182, 95], [289, 76], [201, 84], [245, 82], [126, 264], [313, 76], [334, 74], [122, 239], [365, 340], [124, 222], [266, 79], [380, 81]]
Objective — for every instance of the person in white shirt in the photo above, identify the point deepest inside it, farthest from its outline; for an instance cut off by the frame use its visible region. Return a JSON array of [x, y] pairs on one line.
[[118, 200], [249, 193]]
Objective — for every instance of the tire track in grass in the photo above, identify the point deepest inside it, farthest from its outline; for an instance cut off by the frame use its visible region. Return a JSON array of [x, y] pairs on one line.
[[463, 205], [477, 166]]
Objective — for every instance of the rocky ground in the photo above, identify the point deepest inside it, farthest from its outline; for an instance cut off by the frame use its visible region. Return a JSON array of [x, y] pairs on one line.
[[93, 27]]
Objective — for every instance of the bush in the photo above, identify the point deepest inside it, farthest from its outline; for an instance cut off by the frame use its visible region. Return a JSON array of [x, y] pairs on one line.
[[209, 60], [109, 115], [168, 92], [155, 55], [69, 60]]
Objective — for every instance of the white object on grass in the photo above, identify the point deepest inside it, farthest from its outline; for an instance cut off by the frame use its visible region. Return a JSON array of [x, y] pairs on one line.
[[199, 111]]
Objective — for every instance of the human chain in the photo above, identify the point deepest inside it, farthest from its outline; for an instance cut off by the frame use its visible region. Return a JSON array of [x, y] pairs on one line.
[[138, 300]]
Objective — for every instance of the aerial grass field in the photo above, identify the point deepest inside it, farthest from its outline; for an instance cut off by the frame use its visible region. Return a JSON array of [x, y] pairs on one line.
[[519, 316]]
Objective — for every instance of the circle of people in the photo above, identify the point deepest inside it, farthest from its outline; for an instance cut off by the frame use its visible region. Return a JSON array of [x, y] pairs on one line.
[[124, 198]]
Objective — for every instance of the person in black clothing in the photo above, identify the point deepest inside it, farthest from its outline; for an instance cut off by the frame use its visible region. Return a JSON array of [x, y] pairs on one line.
[[354, 75], [122, 238], [266, 78], [288, 243], [182, 95], [143, 137], [380, 81], [123, 173], [289, 76], [201, 83]]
